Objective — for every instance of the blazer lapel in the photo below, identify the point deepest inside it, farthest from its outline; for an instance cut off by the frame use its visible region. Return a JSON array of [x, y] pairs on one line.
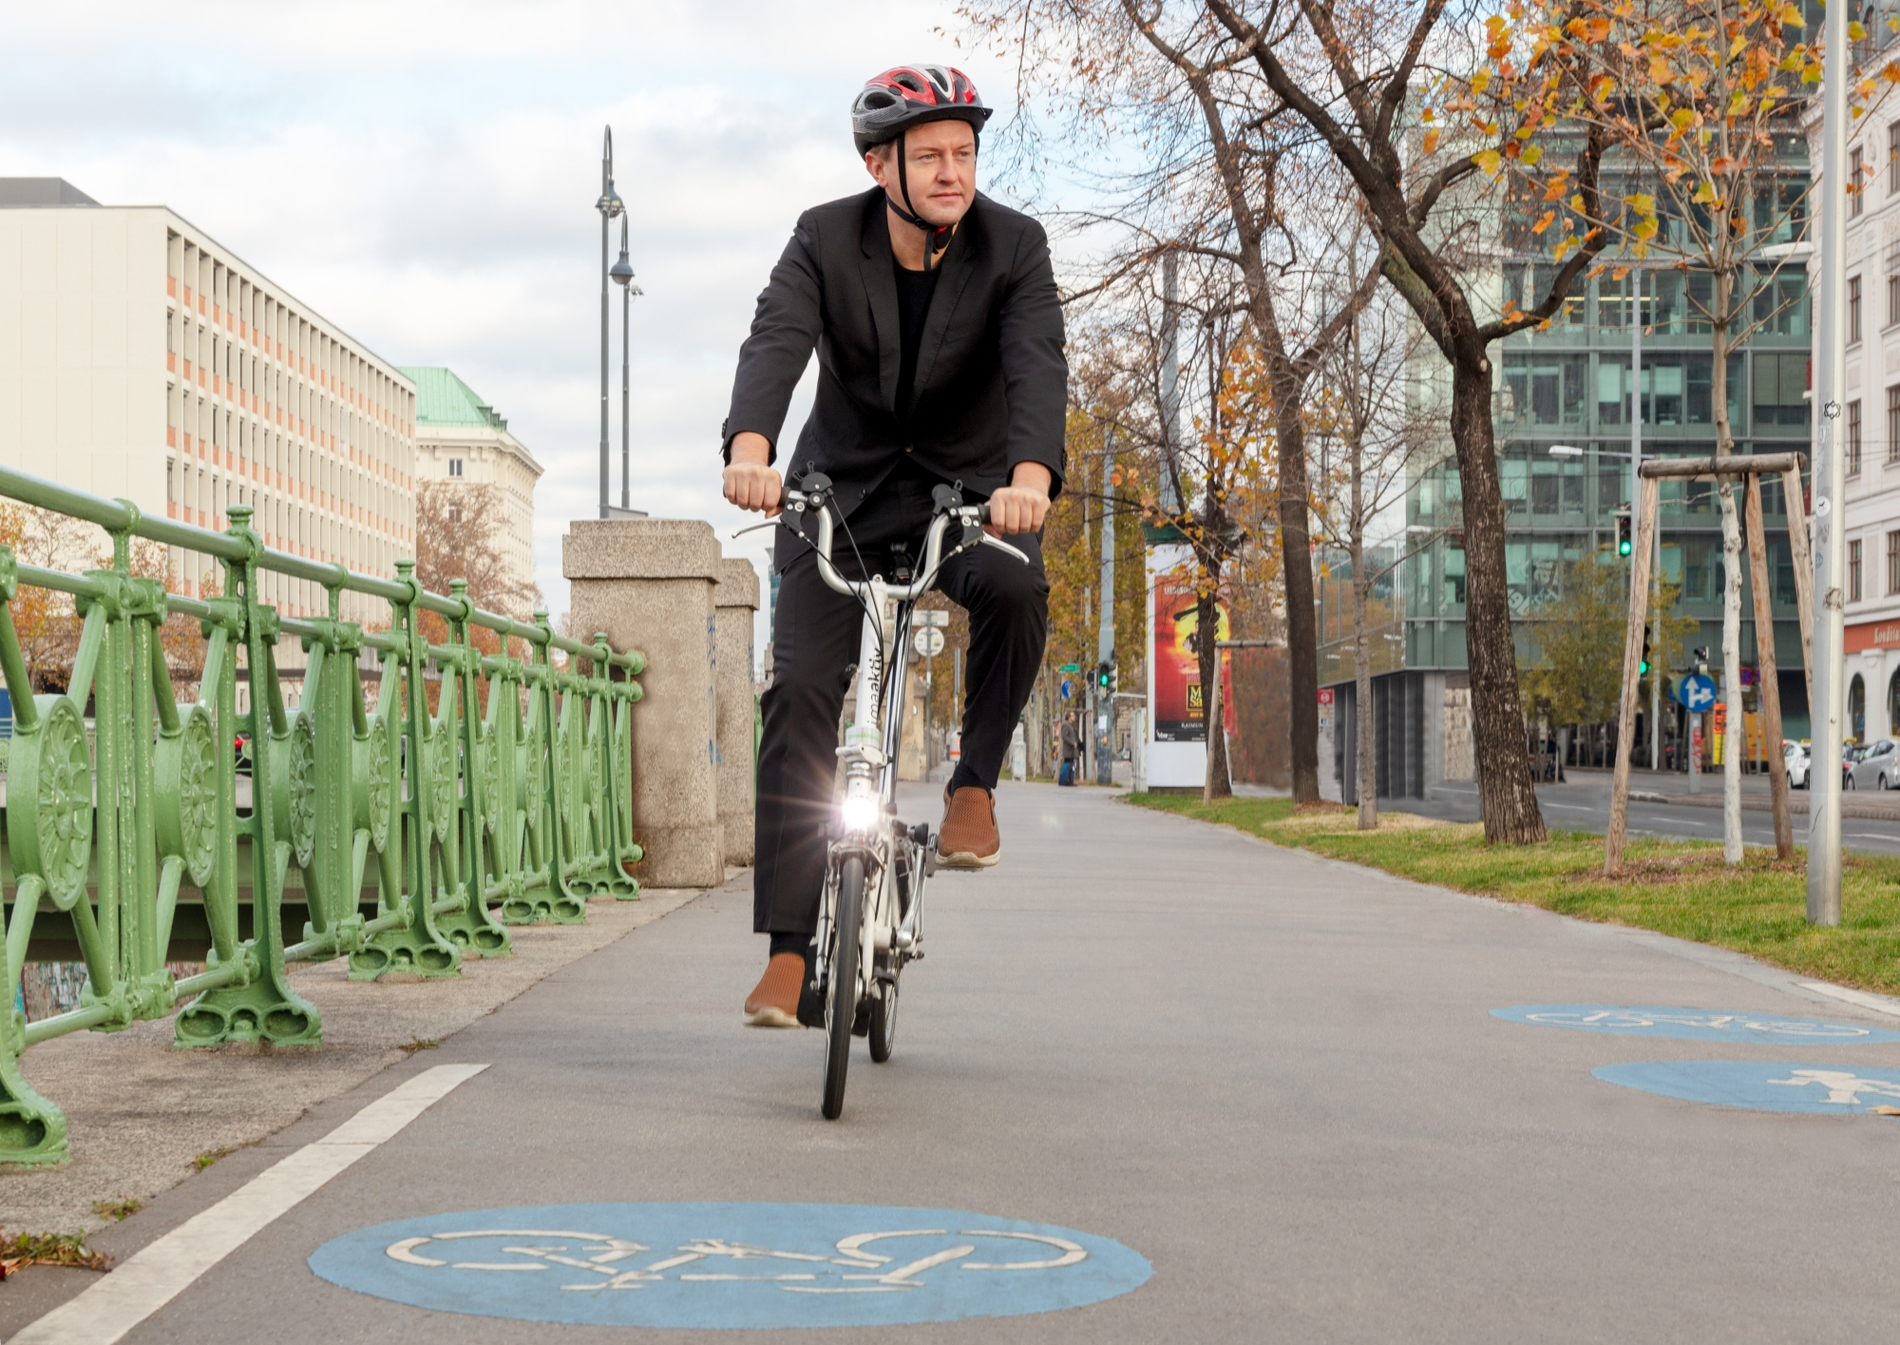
[[880, 286], [957, 268]]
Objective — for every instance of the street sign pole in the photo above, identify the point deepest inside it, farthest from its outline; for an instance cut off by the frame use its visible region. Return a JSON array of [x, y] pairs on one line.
[[1830, 486], [1105, 630]]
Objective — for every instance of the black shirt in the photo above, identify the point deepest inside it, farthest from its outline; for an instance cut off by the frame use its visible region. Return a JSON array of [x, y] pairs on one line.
[[914, 289]]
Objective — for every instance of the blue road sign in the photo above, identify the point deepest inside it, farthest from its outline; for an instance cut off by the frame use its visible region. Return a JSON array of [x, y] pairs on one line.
[[1066, 688], [1763, 1085], [1695, 1024], [705, 1266], [1696, 692]]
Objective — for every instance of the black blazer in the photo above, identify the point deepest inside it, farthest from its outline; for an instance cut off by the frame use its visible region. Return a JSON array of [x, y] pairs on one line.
[[991, 385]]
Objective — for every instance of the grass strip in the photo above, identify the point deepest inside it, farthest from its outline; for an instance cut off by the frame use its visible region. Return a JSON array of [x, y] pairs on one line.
[[1680, 888]]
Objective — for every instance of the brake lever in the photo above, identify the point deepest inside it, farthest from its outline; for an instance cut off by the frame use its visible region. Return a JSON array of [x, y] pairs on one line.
[[1001, 545]]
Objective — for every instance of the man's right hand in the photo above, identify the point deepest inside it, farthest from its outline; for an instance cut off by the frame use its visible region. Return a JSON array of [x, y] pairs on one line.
[[751, 482]]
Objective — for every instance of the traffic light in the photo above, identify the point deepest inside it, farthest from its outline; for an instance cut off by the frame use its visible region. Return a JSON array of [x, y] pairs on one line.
[[1105, 678], [1623, 543], [1642, 669]]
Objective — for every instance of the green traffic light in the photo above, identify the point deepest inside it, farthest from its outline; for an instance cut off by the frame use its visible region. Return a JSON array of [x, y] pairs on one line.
[[1623, 547]]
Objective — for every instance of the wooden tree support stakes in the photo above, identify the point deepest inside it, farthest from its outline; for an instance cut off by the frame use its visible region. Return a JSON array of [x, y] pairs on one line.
[[1753, 467]]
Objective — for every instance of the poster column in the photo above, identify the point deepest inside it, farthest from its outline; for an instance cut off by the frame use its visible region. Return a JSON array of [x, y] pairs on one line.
[[1176, 738]]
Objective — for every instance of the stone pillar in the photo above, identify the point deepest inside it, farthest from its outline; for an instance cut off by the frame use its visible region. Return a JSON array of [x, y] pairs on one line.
[[734, 601], [648, 583]]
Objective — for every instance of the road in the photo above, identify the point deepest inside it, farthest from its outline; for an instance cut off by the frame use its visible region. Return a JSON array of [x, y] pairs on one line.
[[1583, 804], [1267, 1087]]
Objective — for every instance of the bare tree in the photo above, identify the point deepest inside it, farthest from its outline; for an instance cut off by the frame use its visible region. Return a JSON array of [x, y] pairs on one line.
[[1368, 79], [458, 536], [1218, 181]]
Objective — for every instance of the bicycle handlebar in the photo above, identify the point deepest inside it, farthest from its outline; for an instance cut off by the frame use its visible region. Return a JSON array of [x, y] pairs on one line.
[[972, 516]]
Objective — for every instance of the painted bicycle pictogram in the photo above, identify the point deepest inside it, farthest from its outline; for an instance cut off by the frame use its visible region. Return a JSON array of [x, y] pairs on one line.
[[855, 1266], [730, 1264], [1694, 1024]]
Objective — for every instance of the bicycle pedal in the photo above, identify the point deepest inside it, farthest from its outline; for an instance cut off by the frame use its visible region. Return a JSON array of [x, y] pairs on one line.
[[811, 1005], [861, 1025]]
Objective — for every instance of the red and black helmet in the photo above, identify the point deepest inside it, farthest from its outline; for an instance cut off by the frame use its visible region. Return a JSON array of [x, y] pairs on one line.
[[910, 95]]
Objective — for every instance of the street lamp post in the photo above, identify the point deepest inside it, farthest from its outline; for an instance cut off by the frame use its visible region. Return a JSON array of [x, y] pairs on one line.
[[1829, 487], [622, 274], [609, 206]]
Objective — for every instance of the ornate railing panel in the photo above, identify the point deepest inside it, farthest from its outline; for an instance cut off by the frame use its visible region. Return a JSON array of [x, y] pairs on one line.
[[402, 836]]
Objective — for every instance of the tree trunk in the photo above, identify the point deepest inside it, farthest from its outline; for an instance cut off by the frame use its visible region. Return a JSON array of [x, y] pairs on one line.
[[1296, 569], [1207, 653], [1505, 794]]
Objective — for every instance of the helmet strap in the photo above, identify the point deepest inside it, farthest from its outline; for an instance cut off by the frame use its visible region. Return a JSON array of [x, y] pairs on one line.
[[936, 236]]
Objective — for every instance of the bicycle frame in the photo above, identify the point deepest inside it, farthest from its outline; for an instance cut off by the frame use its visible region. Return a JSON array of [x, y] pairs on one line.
[[892, 929]]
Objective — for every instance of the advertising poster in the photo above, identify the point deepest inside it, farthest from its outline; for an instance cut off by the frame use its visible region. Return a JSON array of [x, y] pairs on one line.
[[1180, 710]]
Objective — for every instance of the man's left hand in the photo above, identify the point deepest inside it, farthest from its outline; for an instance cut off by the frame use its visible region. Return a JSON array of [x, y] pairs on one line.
[[1021, 505]]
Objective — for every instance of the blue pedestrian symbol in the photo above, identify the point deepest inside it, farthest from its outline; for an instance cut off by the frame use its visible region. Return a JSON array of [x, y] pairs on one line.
[[1695, 1024], [1765, 1085], [1696, 692], [729, 1265]]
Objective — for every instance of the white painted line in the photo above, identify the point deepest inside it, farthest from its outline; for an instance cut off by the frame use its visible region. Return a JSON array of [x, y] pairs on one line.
[[1878, 1003], [160, 1271]]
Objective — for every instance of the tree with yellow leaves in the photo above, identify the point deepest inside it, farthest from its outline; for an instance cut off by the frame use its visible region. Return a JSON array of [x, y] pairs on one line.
[[1699, 104]]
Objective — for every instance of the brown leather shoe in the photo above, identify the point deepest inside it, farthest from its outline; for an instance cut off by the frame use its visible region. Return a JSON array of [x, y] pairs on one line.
[[774, 1001], [968, 838]]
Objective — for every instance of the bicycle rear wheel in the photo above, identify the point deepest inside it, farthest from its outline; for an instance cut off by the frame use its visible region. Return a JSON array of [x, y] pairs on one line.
[[841, 994]]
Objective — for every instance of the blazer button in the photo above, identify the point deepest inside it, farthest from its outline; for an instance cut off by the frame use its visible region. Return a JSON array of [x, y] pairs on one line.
[[910, 448]]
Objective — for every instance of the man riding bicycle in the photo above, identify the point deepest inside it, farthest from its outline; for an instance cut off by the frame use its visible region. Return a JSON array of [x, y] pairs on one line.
[[939, 336]]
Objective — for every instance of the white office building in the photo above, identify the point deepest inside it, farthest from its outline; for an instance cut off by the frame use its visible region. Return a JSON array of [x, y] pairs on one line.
[[461, 439], [141, 358], [1873, 433]]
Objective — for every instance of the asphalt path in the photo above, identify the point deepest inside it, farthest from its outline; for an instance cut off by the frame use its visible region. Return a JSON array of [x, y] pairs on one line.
[[1274, 1076], [1584, 805]]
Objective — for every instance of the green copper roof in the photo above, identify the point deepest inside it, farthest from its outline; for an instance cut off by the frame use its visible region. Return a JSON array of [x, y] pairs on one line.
[[444, 399]]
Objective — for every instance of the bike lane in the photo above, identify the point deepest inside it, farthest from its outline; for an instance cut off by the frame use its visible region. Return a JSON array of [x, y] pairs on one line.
[[1264, 1093]]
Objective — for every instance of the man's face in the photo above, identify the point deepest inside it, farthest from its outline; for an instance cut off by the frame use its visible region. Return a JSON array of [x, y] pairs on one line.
[[941, 167]]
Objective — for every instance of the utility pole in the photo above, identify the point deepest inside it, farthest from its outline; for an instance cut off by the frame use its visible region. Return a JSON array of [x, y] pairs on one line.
[[1105, 628], [1829, 485], [1170, 384], [1636, 466]]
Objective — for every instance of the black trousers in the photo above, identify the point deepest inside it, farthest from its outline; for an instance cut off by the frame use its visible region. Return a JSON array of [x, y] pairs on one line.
[[815, 639]]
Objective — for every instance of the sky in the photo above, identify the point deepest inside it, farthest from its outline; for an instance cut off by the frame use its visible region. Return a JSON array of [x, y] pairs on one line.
[[424, 175]]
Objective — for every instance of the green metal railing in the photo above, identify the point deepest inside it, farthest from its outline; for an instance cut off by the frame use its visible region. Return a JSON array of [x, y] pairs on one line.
[[399, 836]]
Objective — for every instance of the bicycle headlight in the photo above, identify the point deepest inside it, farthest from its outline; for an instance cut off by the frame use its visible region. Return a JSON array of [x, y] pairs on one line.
[[860, 812]]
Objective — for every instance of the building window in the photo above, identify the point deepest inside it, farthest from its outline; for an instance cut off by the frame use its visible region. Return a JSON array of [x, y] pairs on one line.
[[1853, 308], [455, 511], [455, 466], [1893, 563], [1893, 158], [1893, 424], [1856, 174], [1853, 437]]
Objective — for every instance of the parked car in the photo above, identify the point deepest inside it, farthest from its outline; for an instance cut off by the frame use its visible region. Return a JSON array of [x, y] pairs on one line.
[[1876, 766], [1796, 756]]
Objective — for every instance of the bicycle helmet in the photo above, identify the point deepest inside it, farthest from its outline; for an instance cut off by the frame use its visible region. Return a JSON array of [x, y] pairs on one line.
[[910, 95], [906, 96]]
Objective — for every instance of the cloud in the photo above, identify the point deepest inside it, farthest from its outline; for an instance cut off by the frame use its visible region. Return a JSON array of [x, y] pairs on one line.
[[424, 175]]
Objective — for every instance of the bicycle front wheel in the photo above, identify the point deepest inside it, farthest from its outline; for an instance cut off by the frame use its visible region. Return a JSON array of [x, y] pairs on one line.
[[841, 994]]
